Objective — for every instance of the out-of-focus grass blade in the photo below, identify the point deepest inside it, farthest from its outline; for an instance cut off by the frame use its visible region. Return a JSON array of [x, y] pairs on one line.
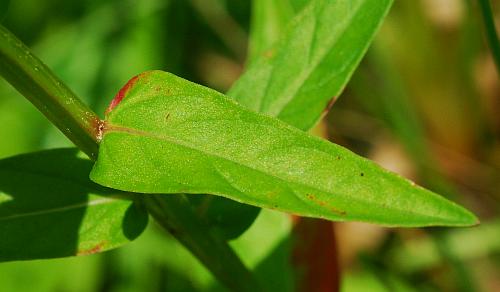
[[370, 279], [53, 275], [467, 245], [390, 102]]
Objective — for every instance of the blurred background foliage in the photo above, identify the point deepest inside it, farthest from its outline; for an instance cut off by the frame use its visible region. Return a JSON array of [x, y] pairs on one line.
[[425, 103]]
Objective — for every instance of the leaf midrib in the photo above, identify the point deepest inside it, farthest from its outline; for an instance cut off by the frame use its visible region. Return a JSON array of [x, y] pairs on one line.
[[178, 142], [100, 201], [110, 128]]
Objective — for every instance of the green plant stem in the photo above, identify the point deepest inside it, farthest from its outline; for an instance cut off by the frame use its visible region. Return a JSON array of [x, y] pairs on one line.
[[491, 33], [47, 92], [169, 212], [81, 125]]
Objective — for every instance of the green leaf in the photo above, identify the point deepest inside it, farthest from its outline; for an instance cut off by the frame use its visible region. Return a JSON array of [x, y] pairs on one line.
[[169, 135], [227, 218], [297, 79], [49, 208], [269, 19], [334, 35]]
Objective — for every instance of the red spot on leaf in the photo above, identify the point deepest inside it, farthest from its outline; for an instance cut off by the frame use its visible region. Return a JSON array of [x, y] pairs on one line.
[[323, 204], [93, 250], [121, 94]]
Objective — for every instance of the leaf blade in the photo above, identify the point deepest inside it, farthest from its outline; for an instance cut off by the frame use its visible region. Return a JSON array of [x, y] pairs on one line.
[[269, 19], [60, 212], [312, 63], [269, 24], [172, 136]]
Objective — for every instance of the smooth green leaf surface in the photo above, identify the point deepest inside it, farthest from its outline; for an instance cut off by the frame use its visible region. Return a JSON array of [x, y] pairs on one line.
[[229, 218], [269, 20], [310, 65], [49, 208], [169, 135], [296, 78]]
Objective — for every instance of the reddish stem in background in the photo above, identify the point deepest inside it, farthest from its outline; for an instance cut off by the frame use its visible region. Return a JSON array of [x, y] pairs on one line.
[[315, 255]]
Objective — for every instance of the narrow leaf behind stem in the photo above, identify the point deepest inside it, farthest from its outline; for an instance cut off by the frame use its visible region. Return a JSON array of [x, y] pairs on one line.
[[169, 135], [491, 32]]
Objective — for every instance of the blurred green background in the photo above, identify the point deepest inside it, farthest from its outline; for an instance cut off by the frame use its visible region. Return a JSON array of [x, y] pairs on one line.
[[425, 103]]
